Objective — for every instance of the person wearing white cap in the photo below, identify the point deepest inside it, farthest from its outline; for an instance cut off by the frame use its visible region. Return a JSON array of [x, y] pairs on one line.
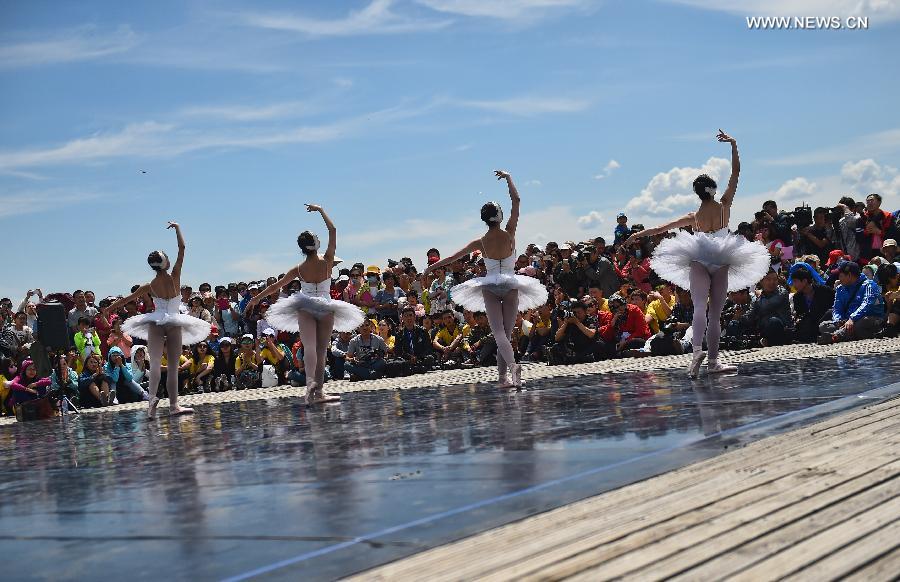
[[312, 311], [710, 262], [502, 294], [889, 250]]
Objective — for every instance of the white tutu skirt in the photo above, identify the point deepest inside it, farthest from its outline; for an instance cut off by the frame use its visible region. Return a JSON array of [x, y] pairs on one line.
[[193, 329], [283, 313], [747, 262], [532, 293]]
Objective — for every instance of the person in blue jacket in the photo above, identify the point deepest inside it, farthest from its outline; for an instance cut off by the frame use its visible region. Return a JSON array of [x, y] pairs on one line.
[[858, 311], [118, 371]]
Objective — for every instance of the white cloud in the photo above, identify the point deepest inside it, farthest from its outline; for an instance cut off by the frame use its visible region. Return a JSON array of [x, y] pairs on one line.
[[250, 113], [376, 18], [878, 10], [671, 192], [796, 190], [608, 169], [31, 202], [80, 44], [592, 219], [535, 183], [501, 9], [868, 176], [527, 106]]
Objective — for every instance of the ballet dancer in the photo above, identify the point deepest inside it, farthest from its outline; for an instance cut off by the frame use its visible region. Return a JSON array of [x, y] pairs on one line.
[[311, 310], [500, 293], [710, 262], [164, 325]]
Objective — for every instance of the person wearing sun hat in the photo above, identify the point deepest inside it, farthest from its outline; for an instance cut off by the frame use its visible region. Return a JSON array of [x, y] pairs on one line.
[[811, 301]]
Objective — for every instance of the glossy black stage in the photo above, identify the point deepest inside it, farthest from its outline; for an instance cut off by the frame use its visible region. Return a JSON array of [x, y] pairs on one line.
[[271, 489]]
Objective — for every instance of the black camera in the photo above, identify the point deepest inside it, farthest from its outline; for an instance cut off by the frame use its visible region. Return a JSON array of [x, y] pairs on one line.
[[801, 217]]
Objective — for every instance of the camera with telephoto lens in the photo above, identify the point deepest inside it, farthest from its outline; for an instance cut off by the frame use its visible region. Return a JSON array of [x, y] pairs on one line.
[[668, 326], [801, 217]]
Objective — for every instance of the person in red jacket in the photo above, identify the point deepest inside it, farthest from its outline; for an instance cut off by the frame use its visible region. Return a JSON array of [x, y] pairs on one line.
[[624, 327]]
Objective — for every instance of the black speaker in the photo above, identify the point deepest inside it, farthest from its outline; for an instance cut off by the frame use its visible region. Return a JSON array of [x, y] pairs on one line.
[[53, 329]]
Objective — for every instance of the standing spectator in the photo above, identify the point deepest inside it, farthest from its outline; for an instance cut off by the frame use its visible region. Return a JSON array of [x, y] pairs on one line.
[[118, 338], [186, 292], [30, 307], [227, 315], [81, 309], [818, 236], [604, 273], [23, 333], [365, 354], [858, 311], [438, 293], [621, 232], [877, 222], [812, 300], [86, 341], [387, 299], [197, 309], [849, 227]]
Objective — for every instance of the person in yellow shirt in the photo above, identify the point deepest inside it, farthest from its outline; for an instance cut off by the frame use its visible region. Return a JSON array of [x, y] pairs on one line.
[[184, 372], [385, 330], [202, 363], [448, 340], [275, 355], [662, 302], [248, 365], [596, 294]]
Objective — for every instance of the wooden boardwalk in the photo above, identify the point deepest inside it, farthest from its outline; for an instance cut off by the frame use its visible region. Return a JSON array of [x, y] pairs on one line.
[[818, 503]]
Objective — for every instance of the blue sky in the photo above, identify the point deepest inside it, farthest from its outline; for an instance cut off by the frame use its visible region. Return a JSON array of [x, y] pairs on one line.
[[393, 114]]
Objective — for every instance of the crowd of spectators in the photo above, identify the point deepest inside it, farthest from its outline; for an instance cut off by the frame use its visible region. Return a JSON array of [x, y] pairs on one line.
[[833, 278]]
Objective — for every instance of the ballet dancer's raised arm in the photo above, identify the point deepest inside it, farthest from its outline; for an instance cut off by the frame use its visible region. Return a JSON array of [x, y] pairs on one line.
[[728, 196], [115, 305], [686, 220], [332, 233], [472, 246], [179, 261], [513, 221]]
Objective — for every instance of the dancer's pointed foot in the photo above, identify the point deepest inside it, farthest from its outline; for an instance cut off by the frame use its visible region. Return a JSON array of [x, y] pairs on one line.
[[178, 410], [694, 368], [310, 393], [151, 409], [516, 371], [504, 384], [715, 367]]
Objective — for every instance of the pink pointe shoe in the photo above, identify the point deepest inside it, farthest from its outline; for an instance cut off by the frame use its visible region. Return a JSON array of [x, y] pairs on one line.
[[715, 367], [694, 368]]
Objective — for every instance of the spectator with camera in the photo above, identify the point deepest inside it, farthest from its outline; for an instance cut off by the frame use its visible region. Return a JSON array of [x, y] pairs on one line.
[[365, 354], [624, 328], [64, 380], [672, 338], [248, 365], [602, 273], [413, 350], [737, 331], [226, 314], [574, 340], [543, 330], [121, 381], [858, 310], [812, 301], [877, 224], [817, 238], [86, 341], [93, 385], [30, 308]]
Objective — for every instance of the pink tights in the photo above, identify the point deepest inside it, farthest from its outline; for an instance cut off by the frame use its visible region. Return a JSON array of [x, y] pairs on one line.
[[501, 314], [711, 287]]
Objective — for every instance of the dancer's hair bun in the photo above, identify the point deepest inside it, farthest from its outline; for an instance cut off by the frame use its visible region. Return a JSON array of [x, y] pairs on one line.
[[491, 213], [156, 260], [308, 242], [704, 186]]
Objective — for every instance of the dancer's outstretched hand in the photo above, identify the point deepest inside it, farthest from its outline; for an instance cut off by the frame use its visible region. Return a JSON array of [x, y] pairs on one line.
[[724, 137], [173, 224], [631, 240], [313, 208], [502, 174]]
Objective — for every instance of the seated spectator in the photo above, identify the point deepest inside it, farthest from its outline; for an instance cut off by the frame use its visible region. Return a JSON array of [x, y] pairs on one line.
[[202, 364], [673, 337], [448, 341], [386, 332], [140, 367], [889, 250], [86, 341], [637, 269], [387, 299], [8, 371], [659, 308], [224, 366], [625, 328], [93, 385], [439, 293], [337, 355], [276, 355], [248, 365], [574, 340], [858, 310], [184, 371], [27, 385], [770, 315], [64, 380], [598, 295], [812, 302], [543, 331], [411, 300], [365, 354], [413, 351], [121, 380], [479, 345], [889, 279]]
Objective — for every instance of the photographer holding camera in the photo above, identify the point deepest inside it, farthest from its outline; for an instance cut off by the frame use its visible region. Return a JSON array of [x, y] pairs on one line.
[[575, 337], [817, 238], [365, 354], [626, 327]]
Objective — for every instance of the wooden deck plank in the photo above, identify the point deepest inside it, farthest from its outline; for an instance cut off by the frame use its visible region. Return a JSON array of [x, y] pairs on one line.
[[883, 567], [852, 557], [739, 490]]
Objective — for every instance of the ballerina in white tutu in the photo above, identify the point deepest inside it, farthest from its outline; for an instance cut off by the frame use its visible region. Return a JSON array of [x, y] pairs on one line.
[[312, 311], [710, 262], [500, 293], [164, 325]]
